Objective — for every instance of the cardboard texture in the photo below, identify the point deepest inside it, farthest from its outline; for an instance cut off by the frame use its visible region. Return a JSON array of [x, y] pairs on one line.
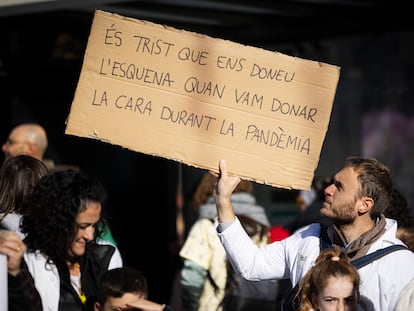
[[197, 99]]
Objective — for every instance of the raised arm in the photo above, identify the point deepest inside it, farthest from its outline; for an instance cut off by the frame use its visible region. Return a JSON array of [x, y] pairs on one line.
[[222, 193]]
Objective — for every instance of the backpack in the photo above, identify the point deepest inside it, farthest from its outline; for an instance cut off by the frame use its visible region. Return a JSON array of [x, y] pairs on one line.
[[244, 295], [241, 294], [292, 301]]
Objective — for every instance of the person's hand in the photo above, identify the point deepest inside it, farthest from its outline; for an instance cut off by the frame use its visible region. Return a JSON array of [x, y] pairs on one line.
[[222, 193], [145, 305], [13, 247]]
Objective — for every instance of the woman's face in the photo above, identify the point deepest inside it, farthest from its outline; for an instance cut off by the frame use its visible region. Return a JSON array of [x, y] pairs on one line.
[[86, 222], [339, 295]]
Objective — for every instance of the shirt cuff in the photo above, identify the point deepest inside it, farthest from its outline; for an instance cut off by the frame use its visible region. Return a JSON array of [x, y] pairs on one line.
[[223, 226]]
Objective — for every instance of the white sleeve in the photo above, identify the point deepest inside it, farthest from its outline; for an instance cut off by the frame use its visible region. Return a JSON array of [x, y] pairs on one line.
[[116, 260]]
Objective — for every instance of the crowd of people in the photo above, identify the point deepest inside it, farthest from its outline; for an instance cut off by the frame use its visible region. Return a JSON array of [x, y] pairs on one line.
[[53, 233], [61, 254]]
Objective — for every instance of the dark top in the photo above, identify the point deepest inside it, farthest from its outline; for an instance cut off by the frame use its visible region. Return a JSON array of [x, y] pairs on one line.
[[22, 294], [93, 264]]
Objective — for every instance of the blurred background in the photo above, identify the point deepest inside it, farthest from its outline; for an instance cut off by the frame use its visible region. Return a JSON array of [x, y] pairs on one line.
[[41, 53]]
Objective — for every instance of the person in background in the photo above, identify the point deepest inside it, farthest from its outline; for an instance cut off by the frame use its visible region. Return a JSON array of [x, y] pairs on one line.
[[18, 176], [400, 211], [27, 138], [355, 203], [331, 284], [310, 203], [207, 280], [125, 289], [61, 216], [30, 139]]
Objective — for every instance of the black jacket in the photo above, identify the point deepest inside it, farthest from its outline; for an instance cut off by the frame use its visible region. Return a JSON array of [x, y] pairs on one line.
[[22, 294], [93, 264]]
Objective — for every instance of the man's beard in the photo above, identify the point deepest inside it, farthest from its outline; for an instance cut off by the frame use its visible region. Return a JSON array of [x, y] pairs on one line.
[[342, 215]]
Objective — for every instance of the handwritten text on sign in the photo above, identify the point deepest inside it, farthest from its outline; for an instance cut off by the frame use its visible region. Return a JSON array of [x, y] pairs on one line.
[[197, 99]]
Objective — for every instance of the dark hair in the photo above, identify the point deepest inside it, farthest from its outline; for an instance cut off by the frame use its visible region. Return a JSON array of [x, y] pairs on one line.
[[374, 181], [18, 176], [399, 209], [401, 212], [52, 210], [119, 281]]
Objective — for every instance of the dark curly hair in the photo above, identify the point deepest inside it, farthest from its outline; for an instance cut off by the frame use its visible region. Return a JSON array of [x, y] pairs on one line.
[[52, 209]]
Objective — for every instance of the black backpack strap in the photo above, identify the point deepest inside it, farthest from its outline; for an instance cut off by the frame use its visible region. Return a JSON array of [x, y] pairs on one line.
[[360, 262], [324, 240], [292, 301]]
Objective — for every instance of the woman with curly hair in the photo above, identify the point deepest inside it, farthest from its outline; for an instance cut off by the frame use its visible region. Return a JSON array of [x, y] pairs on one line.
[[331, 284], [66, 263]]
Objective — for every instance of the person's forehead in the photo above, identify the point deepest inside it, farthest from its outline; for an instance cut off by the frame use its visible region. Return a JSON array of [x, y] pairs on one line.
[[92, 211], [347, 176], [120, 302], [338, 286], [18, 132]]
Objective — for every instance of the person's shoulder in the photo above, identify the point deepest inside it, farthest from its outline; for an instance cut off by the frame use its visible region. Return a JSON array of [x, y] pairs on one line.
[[305, 238], [101, 251], [204, 227], [400, 261], [203, 223], [312, 229]]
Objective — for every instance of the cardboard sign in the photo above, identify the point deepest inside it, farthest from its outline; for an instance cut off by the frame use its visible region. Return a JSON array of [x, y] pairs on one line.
[[197, 99]]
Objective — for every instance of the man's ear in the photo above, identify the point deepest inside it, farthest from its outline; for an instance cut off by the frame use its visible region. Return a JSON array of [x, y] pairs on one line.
[[367, 203]]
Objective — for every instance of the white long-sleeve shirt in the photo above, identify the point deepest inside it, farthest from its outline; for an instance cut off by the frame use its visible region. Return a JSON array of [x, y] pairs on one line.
[[381, 281]]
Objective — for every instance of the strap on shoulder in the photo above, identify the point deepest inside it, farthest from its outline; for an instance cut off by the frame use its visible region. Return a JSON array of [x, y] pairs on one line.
[[360, 262], [324, 239]]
